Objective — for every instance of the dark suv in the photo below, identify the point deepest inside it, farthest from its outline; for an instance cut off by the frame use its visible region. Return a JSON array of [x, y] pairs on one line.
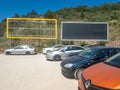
[[71, 66]]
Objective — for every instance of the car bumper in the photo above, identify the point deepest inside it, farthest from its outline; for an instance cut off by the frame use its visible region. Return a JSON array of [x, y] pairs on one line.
[[33, 52], [68, 72], [64, 57], [49, 57], [43, 52], [80, 85], [79, 88]]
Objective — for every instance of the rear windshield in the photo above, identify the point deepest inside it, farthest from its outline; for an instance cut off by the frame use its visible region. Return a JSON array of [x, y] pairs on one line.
[[114, 61]]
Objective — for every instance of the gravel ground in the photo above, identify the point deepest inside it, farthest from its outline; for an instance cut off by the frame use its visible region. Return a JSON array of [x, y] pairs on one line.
[[32, 72]]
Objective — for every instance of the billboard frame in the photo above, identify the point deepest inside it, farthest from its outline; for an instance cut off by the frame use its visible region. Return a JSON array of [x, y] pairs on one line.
[[31, 37]]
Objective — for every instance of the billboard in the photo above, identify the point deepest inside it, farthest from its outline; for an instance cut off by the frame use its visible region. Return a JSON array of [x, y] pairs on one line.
[[89, 31], [31, 28]]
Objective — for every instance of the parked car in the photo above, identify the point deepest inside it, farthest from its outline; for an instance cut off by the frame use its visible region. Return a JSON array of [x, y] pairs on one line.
[[45, 50], [86, 58], [21, 49], [102, 76], [63, 53]]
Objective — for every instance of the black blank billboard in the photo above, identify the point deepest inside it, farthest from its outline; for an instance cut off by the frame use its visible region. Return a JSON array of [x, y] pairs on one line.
[[84, 31]]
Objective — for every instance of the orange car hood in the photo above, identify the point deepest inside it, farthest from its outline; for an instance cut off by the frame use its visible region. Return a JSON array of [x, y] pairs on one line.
[[103, 75]]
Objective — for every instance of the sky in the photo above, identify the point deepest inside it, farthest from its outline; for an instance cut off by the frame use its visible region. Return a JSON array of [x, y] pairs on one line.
[[9, 8]]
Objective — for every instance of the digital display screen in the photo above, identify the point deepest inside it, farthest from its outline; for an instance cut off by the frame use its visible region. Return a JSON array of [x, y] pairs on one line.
[[84, 31]]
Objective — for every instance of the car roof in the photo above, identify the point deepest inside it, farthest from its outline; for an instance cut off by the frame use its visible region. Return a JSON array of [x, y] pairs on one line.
[[73, 45], [102, 47], [25, 45]]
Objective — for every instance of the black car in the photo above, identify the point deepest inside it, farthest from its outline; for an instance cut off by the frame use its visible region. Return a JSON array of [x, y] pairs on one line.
[[86, 58]]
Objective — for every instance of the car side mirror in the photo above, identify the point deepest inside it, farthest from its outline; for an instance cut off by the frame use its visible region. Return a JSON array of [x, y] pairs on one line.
[[62, 50]]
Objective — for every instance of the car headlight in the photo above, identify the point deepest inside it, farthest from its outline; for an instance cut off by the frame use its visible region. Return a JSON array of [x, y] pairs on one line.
[[69, 65]]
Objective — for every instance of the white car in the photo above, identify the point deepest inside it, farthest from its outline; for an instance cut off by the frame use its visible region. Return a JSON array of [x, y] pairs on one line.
[[21, 49], [45, 50], [63, 53]]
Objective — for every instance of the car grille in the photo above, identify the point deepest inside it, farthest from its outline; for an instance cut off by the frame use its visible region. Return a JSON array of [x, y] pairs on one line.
[[89, 86]]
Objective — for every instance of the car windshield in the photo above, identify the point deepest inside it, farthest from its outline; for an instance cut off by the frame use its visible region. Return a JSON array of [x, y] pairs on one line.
[[114, 61], [57, 46], [56, 49], [64, 48], [88, 53]]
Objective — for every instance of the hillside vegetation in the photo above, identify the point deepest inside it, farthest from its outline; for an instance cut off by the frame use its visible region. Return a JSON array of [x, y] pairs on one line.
[[104, 13]]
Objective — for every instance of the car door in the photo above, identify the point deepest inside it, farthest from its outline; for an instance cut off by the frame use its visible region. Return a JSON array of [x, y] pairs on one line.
[[18, 50], [102, 55], [68, 50], [76, 50]]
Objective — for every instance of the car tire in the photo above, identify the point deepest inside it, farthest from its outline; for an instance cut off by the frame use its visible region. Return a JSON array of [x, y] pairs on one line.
[[8, 53], [28, 53], [47, 51], [78, 72], [57, 57]]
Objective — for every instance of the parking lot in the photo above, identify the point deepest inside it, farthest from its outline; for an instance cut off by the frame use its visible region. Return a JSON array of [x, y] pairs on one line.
[[32, 72]]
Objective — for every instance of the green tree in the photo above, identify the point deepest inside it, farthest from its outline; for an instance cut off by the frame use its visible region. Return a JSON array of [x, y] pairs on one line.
[[82, 8], [49, 14], [32, 14], [16, 16], [3, 28]]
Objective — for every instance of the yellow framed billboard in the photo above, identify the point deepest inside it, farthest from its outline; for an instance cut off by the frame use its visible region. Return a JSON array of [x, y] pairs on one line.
[[31, 28]]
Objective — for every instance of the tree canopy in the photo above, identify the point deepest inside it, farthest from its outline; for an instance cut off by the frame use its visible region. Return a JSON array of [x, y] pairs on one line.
[[104, 13]]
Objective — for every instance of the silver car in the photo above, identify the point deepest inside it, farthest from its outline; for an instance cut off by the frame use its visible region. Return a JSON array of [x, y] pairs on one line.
[[21, 49], [46, 50], [63, 53]]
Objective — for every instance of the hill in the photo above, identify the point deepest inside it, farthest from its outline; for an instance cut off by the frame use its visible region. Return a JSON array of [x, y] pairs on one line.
[[104, 13]]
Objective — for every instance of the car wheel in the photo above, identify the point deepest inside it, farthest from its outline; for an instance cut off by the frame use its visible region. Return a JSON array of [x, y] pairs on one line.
[[8, 53], [28, 53], [47, 51], [77, 73], [57, 57]]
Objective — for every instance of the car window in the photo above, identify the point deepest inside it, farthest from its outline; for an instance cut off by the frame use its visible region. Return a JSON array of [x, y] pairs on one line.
[[114, 51], [18, 47], [21, 47], [68, 48], [103, 53], [88, 53], [77, 48], [114, 61], [30, 46]]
